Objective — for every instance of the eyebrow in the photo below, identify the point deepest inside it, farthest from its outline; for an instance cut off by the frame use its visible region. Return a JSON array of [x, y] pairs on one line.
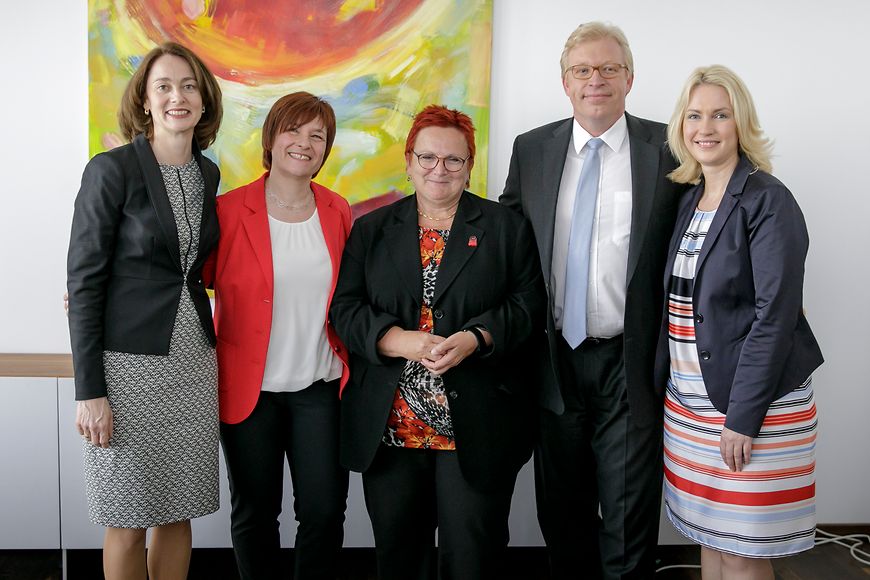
[[165, 79], [715, 110]]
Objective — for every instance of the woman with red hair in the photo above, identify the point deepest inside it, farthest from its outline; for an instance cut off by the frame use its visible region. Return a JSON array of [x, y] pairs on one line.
[[437, 295]]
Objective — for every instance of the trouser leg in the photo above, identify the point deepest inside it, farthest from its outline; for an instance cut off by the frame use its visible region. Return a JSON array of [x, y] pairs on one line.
[[319, 482], [254, 454], [399, 490], [473, 528]]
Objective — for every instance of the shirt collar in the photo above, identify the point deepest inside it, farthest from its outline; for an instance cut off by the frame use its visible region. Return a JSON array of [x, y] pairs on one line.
[[614, 137]]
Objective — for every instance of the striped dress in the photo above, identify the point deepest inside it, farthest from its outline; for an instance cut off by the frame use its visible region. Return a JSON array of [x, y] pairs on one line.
[[764, 511]]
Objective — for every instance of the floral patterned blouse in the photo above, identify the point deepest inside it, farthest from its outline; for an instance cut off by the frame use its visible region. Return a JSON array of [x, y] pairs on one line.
[[420, 417]]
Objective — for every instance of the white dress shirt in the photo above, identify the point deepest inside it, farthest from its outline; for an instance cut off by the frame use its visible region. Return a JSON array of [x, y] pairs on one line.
[[611, 230]]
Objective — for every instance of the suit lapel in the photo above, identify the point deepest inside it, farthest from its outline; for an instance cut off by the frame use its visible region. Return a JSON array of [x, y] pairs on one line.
[[157, 193], [684, 216], [330, 224], [645, 160], [553, 153], [729, 201], [256, 226], [460, 246], [403, 247]]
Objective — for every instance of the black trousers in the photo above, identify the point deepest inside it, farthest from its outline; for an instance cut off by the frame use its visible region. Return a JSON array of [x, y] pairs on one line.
[[303, 427], [411, 492], [594, 457]]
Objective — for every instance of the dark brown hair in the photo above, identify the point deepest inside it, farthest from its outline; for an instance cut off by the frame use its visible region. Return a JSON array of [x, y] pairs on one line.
[[131, 115], [294, 110]]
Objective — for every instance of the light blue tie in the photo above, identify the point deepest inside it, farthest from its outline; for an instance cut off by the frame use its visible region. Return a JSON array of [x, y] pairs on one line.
[[577, 271]]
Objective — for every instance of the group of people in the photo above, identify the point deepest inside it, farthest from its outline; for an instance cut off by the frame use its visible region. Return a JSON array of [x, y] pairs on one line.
[[635, 294]]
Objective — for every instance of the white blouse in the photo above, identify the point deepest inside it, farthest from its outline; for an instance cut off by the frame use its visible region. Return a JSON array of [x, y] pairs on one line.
[[299, 353]]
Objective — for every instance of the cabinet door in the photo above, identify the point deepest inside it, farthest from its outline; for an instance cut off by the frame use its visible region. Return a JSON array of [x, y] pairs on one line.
[[76, 531], [28, 464]]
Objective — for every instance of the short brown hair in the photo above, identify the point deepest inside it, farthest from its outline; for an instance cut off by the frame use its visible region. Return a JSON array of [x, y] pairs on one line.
[[131, 115], [294, 110], [441, 116]]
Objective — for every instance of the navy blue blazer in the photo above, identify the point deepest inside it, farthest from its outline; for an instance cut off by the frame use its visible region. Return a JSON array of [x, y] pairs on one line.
[[489, 276], [754, 343]]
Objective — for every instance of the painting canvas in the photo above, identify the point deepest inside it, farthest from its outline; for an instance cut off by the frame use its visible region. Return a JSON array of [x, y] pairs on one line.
[[378, 62]]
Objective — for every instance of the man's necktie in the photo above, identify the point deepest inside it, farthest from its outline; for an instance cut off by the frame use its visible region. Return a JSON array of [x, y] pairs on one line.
[[577, 271]]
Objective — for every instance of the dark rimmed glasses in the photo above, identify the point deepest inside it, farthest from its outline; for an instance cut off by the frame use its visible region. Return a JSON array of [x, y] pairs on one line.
[[452, 163], [608, 70]]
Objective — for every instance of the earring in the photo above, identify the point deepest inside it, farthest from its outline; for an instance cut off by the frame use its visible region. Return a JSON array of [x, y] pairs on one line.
[[407, 178], [203, 110], [147, 112]]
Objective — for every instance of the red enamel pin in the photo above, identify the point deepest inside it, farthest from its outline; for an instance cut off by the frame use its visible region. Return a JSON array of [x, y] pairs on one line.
[[472, 242]]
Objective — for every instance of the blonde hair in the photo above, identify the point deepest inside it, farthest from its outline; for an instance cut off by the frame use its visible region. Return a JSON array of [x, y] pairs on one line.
[[597, 31], [751, 140]]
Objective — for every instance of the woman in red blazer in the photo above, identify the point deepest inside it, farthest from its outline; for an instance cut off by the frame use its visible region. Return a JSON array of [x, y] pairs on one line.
[[281, 365]]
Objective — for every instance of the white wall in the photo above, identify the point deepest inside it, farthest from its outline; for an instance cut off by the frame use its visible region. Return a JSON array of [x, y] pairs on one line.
[[803, 62]]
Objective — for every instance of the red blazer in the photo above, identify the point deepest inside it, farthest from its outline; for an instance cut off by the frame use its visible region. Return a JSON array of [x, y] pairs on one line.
[[240, 271]]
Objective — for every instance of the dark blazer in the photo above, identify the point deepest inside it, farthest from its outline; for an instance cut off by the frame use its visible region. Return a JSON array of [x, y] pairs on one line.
[[241, 272], [489, 276], [754, 343], [532, 187], [124, 274]]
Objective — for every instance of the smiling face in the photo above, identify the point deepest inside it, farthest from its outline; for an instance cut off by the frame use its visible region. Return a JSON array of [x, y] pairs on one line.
[[598, 102], [298, 152], [172, 97], [709, 128], [437, 187]]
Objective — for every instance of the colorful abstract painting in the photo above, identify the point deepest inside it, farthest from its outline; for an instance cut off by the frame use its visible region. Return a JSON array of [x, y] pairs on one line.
[[377, 62]]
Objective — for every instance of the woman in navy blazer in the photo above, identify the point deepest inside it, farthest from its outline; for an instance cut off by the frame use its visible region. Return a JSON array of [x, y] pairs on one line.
[[735, 349], [437, 297], [281, 364]]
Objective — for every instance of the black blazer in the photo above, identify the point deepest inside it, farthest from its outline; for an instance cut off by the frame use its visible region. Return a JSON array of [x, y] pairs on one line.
[[532, 187], [495, 283], [754, 343], [124, 274]]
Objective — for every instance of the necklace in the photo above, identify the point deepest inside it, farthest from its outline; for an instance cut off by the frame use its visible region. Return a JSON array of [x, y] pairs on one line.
[[291, 206], [435, 219]]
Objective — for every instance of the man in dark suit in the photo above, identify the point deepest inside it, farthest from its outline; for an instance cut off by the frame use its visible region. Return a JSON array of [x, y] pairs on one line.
[[595, 190]]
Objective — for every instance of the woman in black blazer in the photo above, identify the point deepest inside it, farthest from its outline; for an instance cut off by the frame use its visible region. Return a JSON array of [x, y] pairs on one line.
[[436, 297], [140, 320], [735, 346]]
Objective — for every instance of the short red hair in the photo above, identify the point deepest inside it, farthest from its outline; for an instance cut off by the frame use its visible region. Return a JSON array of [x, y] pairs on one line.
[[441, 116]]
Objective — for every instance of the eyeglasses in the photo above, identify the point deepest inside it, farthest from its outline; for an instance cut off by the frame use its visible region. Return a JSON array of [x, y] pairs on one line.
[[608, 70], [452, 163]]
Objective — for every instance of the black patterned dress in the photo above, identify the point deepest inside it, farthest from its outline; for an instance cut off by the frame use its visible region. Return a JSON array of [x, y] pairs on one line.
[[162, 464]]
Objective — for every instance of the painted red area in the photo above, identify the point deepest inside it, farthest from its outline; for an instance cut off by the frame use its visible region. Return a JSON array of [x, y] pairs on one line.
[[361, 208], [253, 41]]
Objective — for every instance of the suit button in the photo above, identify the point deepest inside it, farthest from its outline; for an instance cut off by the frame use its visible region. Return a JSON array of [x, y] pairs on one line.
[[452, 394], [266, 300], [699, 318], [705, 354], [439, 314]]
